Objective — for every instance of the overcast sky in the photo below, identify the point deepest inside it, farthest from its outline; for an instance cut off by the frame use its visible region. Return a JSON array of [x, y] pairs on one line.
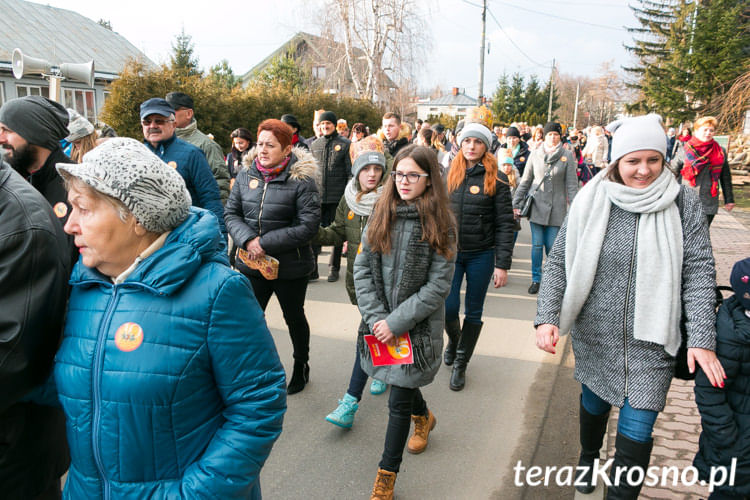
[[579, 34]]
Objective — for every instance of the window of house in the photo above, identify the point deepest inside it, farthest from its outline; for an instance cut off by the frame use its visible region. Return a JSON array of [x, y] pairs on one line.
[[24, 90], [433, 109], [82, 101], [462, 110], [319, 72]]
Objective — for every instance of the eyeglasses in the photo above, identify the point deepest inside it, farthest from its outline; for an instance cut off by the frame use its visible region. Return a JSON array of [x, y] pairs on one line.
[[411, 177], [156, 121]]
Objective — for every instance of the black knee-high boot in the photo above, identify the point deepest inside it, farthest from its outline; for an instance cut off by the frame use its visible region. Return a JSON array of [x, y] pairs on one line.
[[592, 429], [453, 329], [466, 344], [628, 453]]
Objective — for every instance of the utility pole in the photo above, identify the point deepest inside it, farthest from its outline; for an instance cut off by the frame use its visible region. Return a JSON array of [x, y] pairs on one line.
[[481, 54], [551, 91], [575, 112]]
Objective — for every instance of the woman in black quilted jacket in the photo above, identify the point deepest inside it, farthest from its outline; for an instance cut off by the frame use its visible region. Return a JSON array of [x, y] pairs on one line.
[[481, 201], [274, 209]]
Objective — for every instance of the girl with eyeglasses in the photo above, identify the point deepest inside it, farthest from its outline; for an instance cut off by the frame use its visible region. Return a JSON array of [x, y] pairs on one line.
[[481, 201], [402, 275]]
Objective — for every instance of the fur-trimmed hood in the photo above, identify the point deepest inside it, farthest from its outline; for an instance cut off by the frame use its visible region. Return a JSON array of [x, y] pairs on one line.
[[303, 165]]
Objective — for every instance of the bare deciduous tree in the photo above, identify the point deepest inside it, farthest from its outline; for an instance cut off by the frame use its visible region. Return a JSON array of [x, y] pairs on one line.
[[382, 41]]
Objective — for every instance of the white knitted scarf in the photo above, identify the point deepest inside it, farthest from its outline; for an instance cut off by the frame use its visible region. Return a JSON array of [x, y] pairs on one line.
[[365, 205], [658, 280]]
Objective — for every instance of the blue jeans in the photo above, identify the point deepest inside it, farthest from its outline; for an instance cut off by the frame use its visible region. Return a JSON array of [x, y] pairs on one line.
[[542, 238], [478, 267], [634, 424]]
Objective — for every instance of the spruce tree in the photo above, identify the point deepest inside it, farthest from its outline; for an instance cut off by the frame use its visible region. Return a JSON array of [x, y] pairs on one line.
[[500, 100], [183, 59], [649, 47]]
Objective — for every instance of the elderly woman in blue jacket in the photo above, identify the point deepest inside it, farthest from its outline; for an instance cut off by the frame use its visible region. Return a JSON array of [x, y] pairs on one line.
[[167, 391]]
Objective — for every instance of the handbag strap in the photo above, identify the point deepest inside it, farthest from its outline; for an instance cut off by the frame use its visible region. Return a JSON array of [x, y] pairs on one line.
[[547, 174]]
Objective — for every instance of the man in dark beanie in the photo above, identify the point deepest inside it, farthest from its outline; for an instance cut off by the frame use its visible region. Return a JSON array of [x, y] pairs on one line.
[[297, 139], [187, 130], [331, 152], [34, 272], [31, 128]]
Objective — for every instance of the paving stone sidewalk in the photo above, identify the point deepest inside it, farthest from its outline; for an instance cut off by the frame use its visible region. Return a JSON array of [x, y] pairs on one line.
[[678, 426]]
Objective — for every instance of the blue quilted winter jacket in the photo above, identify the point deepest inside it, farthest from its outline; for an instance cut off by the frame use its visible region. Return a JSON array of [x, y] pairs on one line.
[[170, 382]]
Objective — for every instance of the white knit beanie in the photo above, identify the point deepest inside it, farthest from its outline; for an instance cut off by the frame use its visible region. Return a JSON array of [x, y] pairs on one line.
[[478, 131], [637, 134]]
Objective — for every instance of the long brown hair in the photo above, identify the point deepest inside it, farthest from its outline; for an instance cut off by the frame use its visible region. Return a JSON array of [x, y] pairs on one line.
[[438, 224], [457, 172], [85, 144]]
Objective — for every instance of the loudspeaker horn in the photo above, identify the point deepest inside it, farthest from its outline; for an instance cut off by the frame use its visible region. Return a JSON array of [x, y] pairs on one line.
[[25, 65], [80, 72]]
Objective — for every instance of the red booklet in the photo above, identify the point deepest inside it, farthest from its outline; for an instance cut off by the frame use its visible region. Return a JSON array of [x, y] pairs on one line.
[[384, 355]]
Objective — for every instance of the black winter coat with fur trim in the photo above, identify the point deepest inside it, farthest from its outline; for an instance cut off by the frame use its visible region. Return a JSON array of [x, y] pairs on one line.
[[285, 213]]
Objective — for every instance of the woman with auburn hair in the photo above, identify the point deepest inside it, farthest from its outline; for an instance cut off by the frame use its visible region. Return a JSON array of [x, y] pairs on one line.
[[537, 138], [703, 164], [274, 210], [402, 276], [481, 202]]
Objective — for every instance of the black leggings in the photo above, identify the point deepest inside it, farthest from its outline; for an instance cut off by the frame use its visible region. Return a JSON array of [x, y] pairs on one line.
[[402, 404], [291, 295]]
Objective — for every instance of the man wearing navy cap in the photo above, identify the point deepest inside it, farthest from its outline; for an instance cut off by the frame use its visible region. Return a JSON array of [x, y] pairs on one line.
[[187, 130], [158, 122]]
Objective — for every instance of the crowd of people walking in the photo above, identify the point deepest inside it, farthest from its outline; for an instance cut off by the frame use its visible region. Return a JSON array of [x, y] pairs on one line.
[[156, 260]]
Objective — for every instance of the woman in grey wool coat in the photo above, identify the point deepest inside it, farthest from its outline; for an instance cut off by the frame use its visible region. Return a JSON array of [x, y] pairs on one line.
[[631, 258], [553, 169], [402, 276]]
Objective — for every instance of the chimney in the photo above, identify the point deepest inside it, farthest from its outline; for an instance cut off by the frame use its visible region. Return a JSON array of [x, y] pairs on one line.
[[455, 90]]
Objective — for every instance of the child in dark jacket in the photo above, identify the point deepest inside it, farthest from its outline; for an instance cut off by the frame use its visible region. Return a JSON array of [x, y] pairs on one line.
[[725, 411]]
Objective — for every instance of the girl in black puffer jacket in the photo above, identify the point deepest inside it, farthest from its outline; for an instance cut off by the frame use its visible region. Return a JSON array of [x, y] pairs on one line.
[[725, 411], [481, 201]]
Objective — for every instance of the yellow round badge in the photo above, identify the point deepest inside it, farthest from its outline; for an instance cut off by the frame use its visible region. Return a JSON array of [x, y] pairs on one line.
[[474, 189], [564, 158], [129, 337], [521, 159], [350, 215], [172, 164], [359, 248], [337, 147], [254, 183], [60, 209]]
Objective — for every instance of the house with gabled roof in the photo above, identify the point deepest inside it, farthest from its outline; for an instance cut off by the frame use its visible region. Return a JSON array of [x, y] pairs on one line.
[[456, 104], [61, 36], [325, 59]]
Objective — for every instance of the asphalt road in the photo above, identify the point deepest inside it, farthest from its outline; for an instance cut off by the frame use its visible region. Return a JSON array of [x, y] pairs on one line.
[[518, 404]]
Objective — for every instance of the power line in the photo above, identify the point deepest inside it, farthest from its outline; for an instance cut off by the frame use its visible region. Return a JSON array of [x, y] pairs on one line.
[[510, 39], [556, 16], [588, 4]]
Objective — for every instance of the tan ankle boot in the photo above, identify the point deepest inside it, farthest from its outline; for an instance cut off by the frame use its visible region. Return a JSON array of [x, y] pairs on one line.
[[422, 427], [383, 487]]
